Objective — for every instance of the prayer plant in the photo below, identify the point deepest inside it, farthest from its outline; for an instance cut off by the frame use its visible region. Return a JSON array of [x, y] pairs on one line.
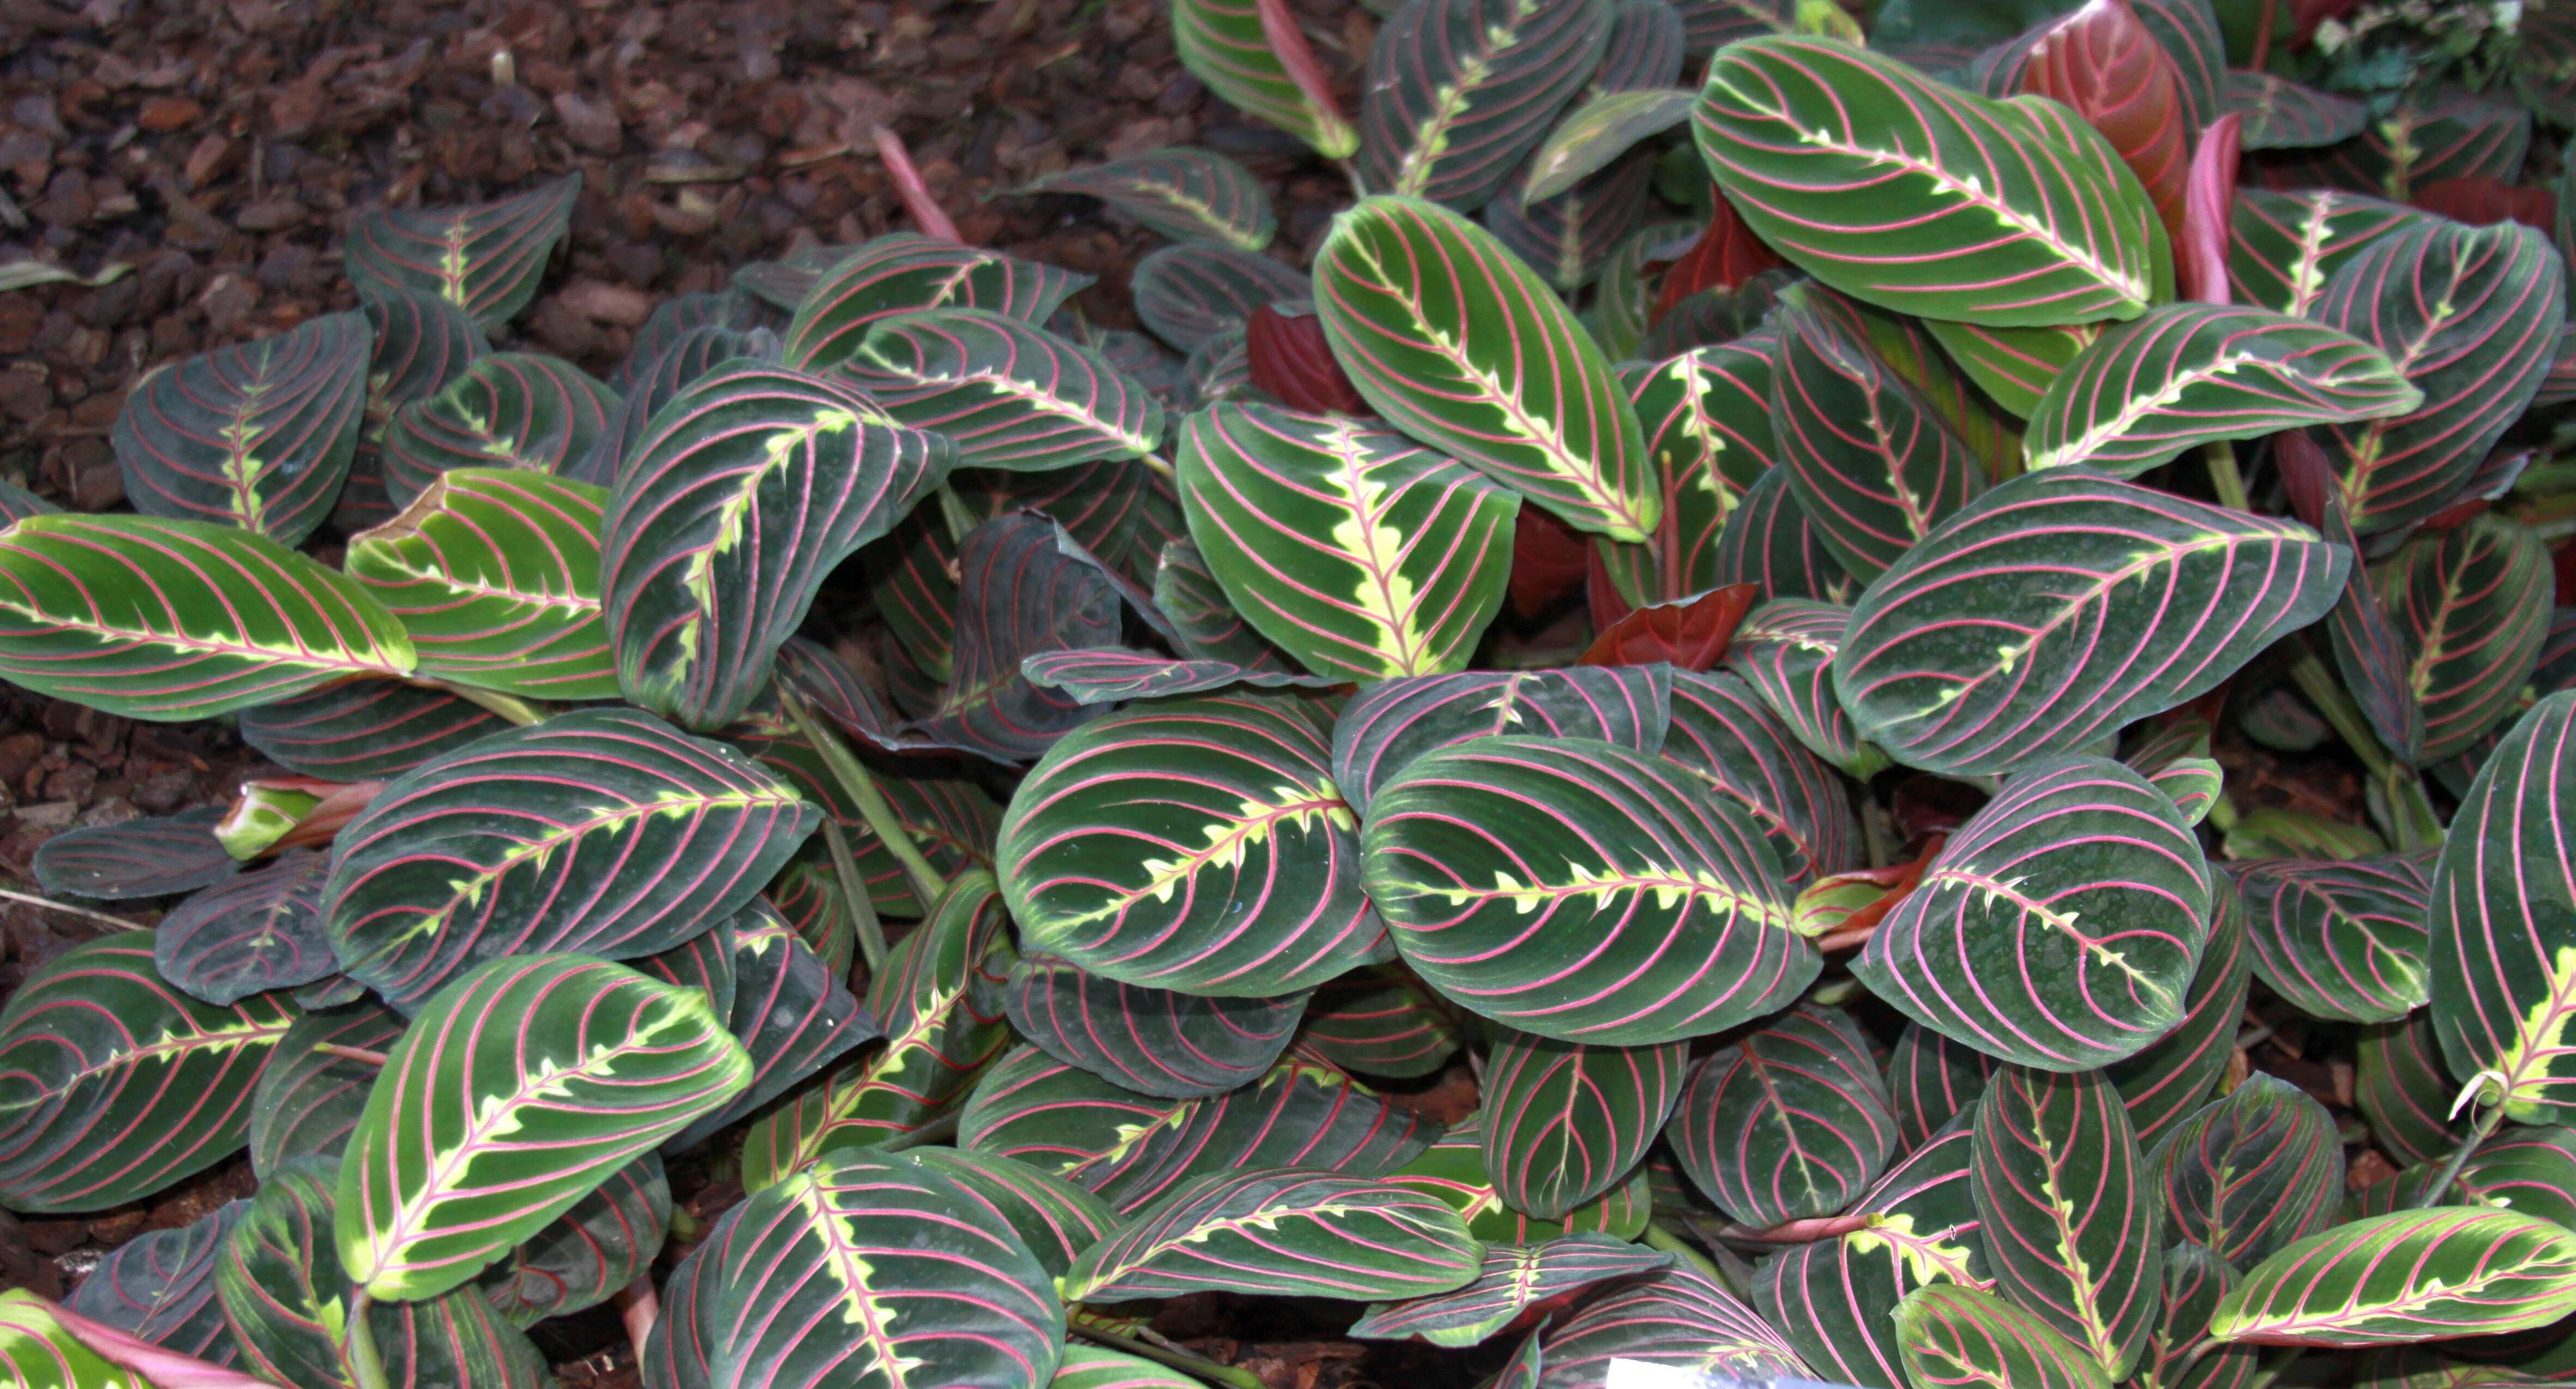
[[1700, 616]]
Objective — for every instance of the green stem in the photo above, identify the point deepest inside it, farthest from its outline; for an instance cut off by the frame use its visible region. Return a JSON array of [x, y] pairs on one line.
[[872, 804], [2279, 1366], [2409, 807], [511, 707], [368, 1366], [942, 1127], [1657, 1237], [854, 888], [1178, 1359], [2224, 479], [2489, 1117]]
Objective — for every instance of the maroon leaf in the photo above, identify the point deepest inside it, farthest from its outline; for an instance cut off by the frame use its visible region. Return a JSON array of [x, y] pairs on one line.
[[1691, 633], [1726, 255], [2482, 200], [1548, 559], [2102, 61], [2209, 203], [1289, 359]]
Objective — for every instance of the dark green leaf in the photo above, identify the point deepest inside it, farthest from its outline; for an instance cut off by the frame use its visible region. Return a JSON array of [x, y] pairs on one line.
[[2071, 1224], [257, 435]]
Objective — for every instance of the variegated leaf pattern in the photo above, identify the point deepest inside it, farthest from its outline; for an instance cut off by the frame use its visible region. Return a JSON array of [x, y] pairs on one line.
[[1361, 553], [1379, 1021], [1709, 433], [2369, 653], [950, 819], [1785, 650], [2015, 366], [1283, 1232], [1960, 1335], [495, 574], [288, 1300], [2342, 938], [2428, 136], [2184, 375], [2531, 1171], [1624, 296], [1457, 343], [1566, 1122], [1871, 463], [1792, 1120], [2177, 759], [172, 620], [2059, 928], [1244, 880], [698, 352], [2008, 213], [422, 342], [607, 1240], [1229, 45], [2250, 1173], [1462, 89], [2122, 602], [2176, 1357], [750, 488], [1152, 1041], [1393, 722], [1769, 543], [1596, 133], [257, 435], [2401, 1085], [520, 1087], [485, 259], [531, 840], [2412, 1276], [2471, 605], [260, 931], [1835, 1299], [1575, 889], [905, 272], [789, 1010], [922, 1283], [1454, 1170], [2102, 61], [1024, 590], [2471, 316], [161, 1287], [505, 410], [2189, 32], [365, 729], [936, 1002], [1678, 1318], [1090, 1367], [307, 1099], [2071, 1229], [2283, 248], [2177, 1071], [1932, 1080], [1134, 1150], [1186, 194], [1512, 1280], [1054, 1218], [154, 856], [680, 318], [2282, 114], [1005, 393], [1723, 732], [38, 1350], [1193, 293], [1569, 237], [1117, 674], [2504, 922], [114, 1085]]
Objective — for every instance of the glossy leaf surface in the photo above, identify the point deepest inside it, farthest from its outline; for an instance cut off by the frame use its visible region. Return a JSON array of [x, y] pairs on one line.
[[1462, 89], [1791, 1121], [1186, 194], [1566, 1122], [1511, 1281], [1282, 1232], [2070, 1212], [307, 1099], [154, 856], [2342, 938], [256, 435], [1152, 1041], [260, 931], [1960, 1335], [1393, 722], [485, 259], [2251, 1172], [905, 272], [1006, 394], [161, 1287], [2413, 1276], [505, 410]]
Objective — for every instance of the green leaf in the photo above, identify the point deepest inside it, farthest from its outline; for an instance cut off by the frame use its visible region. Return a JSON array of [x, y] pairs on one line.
[[1194, 293], [1932, 1079], [256, 435], [1226, 44], [175, 620], [1543, 883], [1457, 343], [1792, 1120], [2148, 601], [603, 830], [2070, 1218], [161, 1287], [1459, 90], [1769, 543], [150, 857], [1597, 132], [1570, 237], [1359, 552], [1678, 1319], [1709, 434], [518, 1089], [2194, 1281], [1090, 1367], [1282, 1232], [1565, 1122], [1391, 723], [1152, 1041], [904, 272], [1785, 650], [495, 574], [1186, 194], [751, 486], [2281, 114], [2342, 938], [1955, 1335], [1925, 199], [2177, 1071], [1723, 732], [2283, 247], [2504, 935], [2414, 1276], [1007, 394], [114, 1085], [38, 1352], [1512, 1280], [307, 1099], [2015, 366], [2251, 1172], [505, 410], [2401, 1086], [2176, 758], [1236, 875], [1453, 1169], [2060, 927], [366, 729], [2472, 604], [2184, 375], [1379, 1021], [260, 931], [486, 260], [1054, 1218], [605, 1241], [789, 1010]]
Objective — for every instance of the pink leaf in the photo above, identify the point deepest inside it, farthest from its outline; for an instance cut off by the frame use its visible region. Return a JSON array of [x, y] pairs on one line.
[[2200, 260], [2101, 61]]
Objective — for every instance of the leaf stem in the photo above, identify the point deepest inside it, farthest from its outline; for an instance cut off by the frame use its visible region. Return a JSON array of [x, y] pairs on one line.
[[873, 807], [945, 1126], [1173, 1356], [2410, 810], [854, 888], [2224, 479], [1657, 1237], [361, 1054], [2489, 1117], [511, 707], [67, 909], [361, 1351]]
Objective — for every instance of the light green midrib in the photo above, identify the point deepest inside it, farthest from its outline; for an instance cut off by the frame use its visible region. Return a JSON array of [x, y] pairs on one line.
[[202, 645], [397, 565], [179, 1046]]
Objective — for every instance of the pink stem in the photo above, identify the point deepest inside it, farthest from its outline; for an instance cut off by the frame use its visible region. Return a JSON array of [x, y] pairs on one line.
[[924, 209], [641, 1307], [1288, 44], [1806, 1231]]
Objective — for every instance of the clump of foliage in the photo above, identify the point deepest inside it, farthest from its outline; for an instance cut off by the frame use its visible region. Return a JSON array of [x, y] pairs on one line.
[[1702, 601]]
